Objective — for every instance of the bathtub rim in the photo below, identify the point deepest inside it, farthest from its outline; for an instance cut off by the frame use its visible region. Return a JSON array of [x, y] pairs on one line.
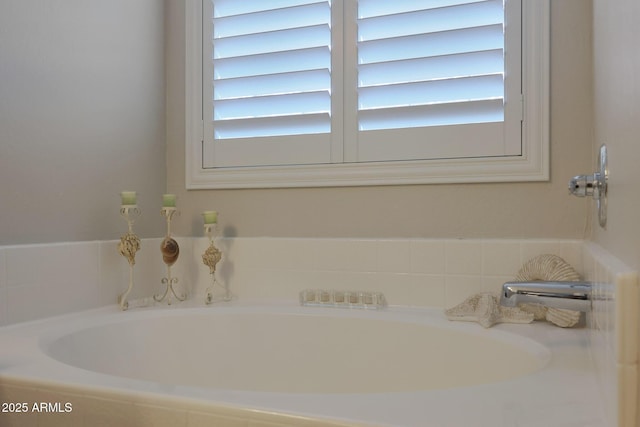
[[538, 355], [540, 333]]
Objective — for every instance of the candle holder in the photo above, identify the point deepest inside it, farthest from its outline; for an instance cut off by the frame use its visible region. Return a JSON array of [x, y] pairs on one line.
[[211, 257], [128, 246], [170, 251]]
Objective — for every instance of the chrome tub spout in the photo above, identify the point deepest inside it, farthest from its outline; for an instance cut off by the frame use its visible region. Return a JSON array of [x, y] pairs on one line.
[[565, 295]]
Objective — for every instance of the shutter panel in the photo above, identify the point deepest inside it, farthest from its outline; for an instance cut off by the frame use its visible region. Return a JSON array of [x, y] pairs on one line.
[[424, 67], [270, 92]]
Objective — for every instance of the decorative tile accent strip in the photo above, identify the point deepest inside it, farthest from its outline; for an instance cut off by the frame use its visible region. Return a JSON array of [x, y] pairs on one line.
[[342, 299]]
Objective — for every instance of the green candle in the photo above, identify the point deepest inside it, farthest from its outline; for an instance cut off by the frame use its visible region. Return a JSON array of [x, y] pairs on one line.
[[169, 200], [210, 217], [128, 198]]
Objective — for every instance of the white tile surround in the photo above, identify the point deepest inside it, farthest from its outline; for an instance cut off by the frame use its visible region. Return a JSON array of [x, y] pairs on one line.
[[614, 340], [45, 280]]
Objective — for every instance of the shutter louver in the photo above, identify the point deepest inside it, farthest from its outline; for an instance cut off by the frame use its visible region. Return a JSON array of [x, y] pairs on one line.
[[271, 68]]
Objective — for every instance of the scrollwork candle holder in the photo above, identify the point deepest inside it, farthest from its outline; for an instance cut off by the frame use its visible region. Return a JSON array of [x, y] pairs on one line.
[[170, 251], [128, 246], [211, 257]]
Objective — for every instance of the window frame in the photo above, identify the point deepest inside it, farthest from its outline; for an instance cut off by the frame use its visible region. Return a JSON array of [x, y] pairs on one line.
[[531, 165]]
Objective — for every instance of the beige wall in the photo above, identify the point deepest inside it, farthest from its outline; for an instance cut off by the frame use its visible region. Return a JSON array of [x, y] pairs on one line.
[[81, 117], [93, 124], [481, 210], [617, 121]]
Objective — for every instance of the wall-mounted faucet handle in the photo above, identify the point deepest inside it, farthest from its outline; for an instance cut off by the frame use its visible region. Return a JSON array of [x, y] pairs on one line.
[[594, 185], [585, 185]]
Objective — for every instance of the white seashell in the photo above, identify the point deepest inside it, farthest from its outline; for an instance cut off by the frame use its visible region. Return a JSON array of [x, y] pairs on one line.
[[563, 318], [485, 309], [549, 267], [539, 311]]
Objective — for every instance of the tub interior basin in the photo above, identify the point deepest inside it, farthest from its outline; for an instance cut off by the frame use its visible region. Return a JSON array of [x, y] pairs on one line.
[[296, 352]]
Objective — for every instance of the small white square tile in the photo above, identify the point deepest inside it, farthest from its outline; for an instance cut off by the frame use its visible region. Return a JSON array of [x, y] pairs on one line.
[[428, 256], [394, 256], [626, 318], [243, 284], [267, 253], [290, 254], [65, 281], [37, 264], [29, 302], [425, 290], [494, 284], [114, 272], [238, 250], [501, 258], [534, 247], [396, 287], [26, 304], [19, 260], [32, 264], [82, 285], [346, 255], [271, 253], [588, 264], [463, 257], [348, 280], [459, 288], [571, 252], [282, 285]]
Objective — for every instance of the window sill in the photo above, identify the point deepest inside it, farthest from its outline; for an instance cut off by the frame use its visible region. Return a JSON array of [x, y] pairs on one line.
[[501, 169]]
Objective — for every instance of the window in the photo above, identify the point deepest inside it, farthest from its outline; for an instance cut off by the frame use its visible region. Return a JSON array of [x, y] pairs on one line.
[[287, 93]]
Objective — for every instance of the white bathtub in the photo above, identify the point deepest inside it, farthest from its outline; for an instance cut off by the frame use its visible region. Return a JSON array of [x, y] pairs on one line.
[[291, 365]]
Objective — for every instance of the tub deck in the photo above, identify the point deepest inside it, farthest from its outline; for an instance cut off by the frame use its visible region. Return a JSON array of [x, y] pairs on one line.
[[564, 392]]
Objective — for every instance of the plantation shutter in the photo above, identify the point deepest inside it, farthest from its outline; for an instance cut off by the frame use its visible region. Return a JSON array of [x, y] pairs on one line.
[[267, 88], [435, 79], [300, 82]]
